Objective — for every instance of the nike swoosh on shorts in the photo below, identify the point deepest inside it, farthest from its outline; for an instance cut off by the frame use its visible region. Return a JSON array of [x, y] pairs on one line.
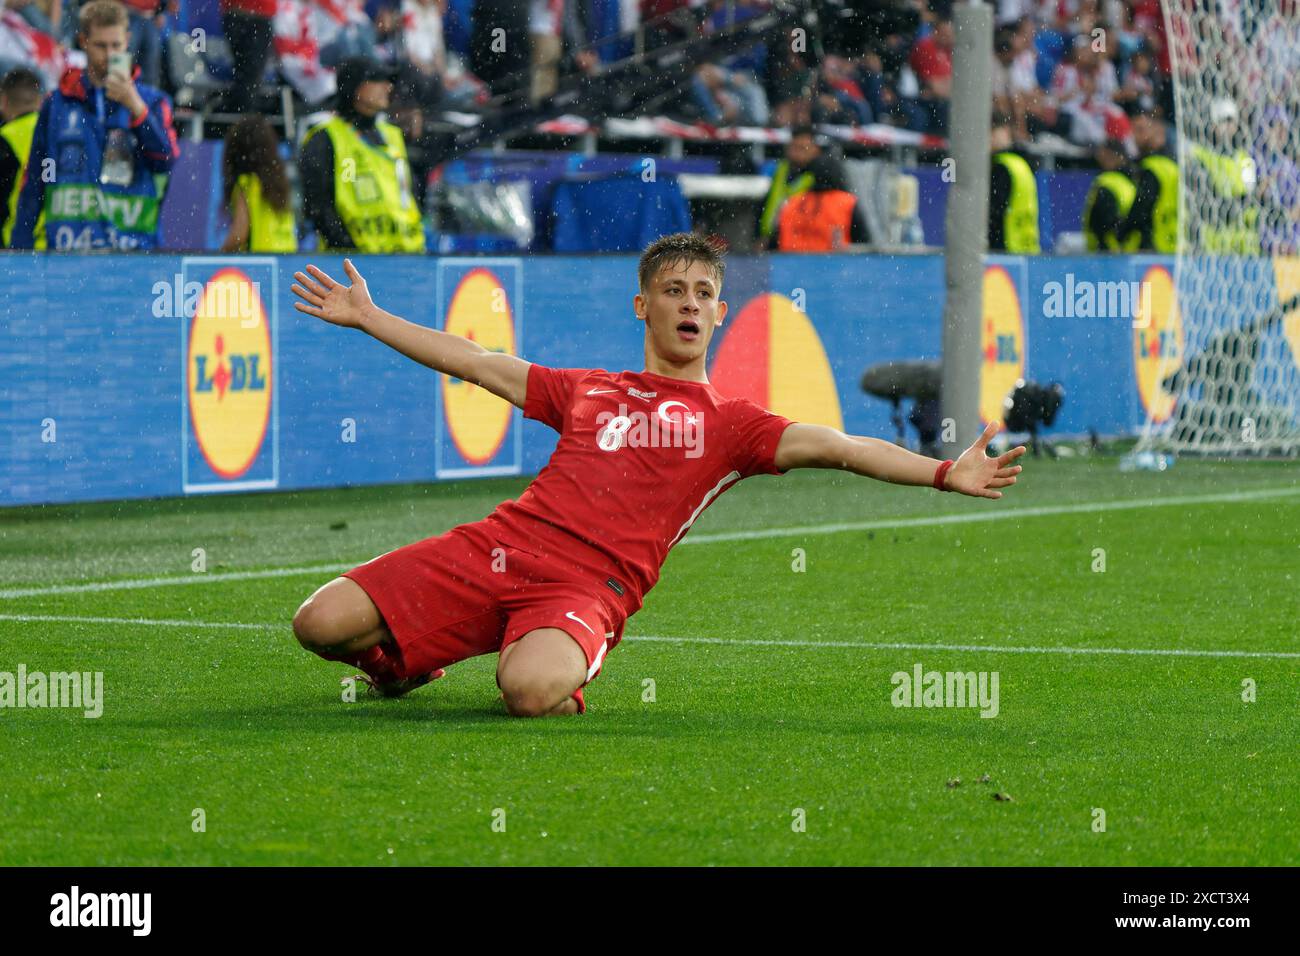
[[575, 617]]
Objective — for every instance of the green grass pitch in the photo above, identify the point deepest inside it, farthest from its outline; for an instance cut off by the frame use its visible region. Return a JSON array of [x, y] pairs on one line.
[[772, 689]]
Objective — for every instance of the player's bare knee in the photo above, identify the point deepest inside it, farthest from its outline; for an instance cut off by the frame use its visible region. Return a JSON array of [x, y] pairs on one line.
[[528, 697], [537, 673], [525, 707], [312, 625], [335, 614], [525, 700], [530, 706]]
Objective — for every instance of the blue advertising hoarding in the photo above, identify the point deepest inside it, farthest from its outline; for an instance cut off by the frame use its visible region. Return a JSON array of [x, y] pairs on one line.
[[128, 377]]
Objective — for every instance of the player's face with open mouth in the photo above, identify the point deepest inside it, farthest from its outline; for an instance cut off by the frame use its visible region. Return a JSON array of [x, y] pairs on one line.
[[681, 309]]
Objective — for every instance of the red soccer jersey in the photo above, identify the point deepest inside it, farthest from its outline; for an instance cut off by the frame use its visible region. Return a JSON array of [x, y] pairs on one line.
[[640, 457]]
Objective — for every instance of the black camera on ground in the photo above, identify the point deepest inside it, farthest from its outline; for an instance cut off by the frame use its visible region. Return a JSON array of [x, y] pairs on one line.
[[1029, 407]]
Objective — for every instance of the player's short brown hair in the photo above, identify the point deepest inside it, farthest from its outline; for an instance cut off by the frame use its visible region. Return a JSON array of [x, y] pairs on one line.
[[101, 13], [685, 248]]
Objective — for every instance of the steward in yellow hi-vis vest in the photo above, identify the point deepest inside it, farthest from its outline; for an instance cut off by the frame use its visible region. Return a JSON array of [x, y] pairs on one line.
[[1155, 220], [269, 229], [256, 188], [17, 135], [1109, 200], [372, 189], [20, 104], [783, 188], [356, 180], [1013, 205], [1231, 223], [1152, 220], [795, 175], [1225, 217]]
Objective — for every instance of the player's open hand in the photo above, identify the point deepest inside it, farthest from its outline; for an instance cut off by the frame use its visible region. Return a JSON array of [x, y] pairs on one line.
[[332, 301], [976, 474]]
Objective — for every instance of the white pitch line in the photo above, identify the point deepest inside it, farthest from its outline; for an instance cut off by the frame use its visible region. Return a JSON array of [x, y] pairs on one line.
[[749, 642], [130, 584], [141, 621], [1009, 514], [981, 648]]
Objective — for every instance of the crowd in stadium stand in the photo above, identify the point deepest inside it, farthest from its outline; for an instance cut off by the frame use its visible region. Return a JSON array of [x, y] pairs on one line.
[[1065, 73], [1073, 69], [1068, 68]]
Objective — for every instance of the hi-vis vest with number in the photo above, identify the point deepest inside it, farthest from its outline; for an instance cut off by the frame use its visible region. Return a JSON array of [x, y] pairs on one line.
[[1124, 191], [18, 134], [372, 188], [1020, 223], [819, 221], [269, 229], [1164, 227]]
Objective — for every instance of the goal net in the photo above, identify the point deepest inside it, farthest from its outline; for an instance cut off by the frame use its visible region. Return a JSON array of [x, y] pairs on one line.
[[1229, 361]]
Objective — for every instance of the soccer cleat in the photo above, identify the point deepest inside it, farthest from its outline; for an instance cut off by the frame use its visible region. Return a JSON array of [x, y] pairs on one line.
[[394, 688]]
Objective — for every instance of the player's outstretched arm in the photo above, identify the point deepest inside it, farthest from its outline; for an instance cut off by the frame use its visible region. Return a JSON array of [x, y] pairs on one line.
[[350, 306], [974, 473]]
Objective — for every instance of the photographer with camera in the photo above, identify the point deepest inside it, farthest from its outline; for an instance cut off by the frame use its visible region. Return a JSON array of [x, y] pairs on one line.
[[101, 151]]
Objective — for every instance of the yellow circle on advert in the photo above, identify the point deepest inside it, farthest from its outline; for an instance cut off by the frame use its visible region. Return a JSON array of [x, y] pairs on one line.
[[228, 373], [1286, 272], [477, 420], [772, 355], [1157, 342], [800, 383], [1002, 343]]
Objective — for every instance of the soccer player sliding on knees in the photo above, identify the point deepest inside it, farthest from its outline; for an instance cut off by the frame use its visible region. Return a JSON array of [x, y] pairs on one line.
[[549, 581]]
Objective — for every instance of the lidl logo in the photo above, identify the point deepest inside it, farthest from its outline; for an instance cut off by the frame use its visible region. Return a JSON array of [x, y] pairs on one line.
[[1286, 273], [1157, 343], [1002, 342], [234, 373], [772, 355], [229, 385], [478, 423]]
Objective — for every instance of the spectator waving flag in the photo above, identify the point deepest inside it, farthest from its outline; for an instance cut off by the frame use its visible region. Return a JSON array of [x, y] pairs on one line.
[[297, 44], [21, 43], [332, 16]]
